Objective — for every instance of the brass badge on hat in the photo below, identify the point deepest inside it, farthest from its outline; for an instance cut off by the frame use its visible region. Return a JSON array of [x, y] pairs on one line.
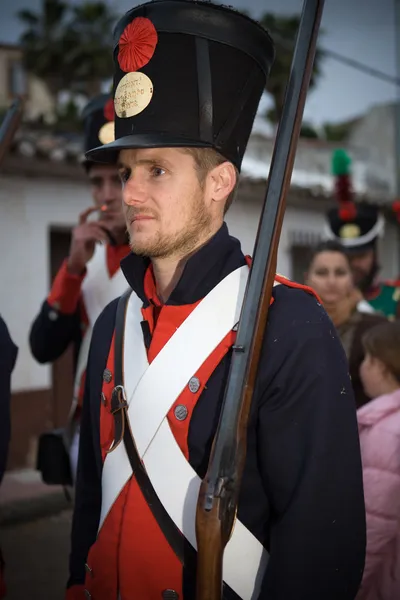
[[349, 231], [107, 133], [133, 94]]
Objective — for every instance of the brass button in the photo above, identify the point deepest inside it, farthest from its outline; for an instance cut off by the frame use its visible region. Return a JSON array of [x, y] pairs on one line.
[[170, 595], [88, 595]]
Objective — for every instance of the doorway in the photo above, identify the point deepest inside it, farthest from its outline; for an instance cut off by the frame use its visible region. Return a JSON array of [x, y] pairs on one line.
[[62, 368]]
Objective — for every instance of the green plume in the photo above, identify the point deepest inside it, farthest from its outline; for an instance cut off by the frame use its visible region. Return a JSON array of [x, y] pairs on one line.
[[341, 162]]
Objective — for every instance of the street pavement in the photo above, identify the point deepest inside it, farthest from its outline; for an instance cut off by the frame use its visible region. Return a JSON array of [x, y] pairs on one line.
[[36, 555]]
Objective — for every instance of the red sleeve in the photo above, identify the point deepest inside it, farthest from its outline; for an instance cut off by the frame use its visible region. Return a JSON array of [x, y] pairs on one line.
[[66, 290], [75, 592]]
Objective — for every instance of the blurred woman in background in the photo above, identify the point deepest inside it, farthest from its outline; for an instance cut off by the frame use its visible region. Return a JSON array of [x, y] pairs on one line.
[[329, 274]]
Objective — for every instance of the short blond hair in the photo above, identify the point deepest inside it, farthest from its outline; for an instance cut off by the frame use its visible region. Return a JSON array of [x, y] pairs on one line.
[[206, 159]]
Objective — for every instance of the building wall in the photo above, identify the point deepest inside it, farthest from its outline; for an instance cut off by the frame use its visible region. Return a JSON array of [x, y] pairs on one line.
[[39, 101], [389, 252], [7, 54], [28, 208], [378, 125]]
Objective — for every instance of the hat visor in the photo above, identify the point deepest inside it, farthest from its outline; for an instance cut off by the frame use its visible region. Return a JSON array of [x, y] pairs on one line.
[[108, 153]]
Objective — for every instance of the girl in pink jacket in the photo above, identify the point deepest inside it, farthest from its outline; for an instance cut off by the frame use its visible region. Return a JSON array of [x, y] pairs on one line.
[[379, 427]]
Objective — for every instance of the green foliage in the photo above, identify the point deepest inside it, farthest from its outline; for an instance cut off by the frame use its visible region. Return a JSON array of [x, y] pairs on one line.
[[69, 47], [283, 31], [341, 163], [336, 132], [308, 131]]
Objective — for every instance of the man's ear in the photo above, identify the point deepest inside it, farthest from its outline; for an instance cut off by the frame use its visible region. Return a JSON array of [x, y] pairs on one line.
[[222, 181]]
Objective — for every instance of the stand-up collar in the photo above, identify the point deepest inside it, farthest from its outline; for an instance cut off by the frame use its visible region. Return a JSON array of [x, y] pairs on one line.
[[203, 271]]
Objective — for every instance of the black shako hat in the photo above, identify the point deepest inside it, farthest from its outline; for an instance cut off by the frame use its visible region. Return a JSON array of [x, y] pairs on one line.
[[359, 232], [98, 122], [187, 74]]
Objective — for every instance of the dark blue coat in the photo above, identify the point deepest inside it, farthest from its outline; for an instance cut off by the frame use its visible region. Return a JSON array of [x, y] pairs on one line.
[[8, 357]]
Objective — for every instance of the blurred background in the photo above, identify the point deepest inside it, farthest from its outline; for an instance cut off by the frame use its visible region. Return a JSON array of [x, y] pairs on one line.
[[58, 55]]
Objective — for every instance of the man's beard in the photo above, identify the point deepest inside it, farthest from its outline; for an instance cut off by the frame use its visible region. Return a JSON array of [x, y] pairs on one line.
[[366, 281], [180, 243]]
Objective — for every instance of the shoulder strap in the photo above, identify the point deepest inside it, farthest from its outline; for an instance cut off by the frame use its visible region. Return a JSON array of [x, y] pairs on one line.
[[122, 431]]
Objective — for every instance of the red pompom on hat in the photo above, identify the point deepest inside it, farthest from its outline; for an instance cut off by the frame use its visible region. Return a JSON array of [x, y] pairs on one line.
[[348, 212], [109, 110], [137, 44], [396, 209]]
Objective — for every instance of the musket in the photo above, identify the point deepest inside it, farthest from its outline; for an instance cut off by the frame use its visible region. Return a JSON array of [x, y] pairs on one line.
[[9, 126], [219, 491]]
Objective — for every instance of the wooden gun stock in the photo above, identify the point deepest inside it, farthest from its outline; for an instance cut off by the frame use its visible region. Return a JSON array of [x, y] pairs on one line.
[[218, 496], [9, 126]]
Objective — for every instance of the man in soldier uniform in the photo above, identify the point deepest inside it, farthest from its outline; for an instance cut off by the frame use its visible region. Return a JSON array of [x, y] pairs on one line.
[[359, 236], [187, 84], [90, 277]]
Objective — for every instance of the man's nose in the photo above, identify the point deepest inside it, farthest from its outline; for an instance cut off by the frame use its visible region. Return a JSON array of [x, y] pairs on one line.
[[133, 192]]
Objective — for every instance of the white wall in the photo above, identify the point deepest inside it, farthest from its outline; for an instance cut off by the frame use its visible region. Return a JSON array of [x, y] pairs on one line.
[[28, 208], [242, 219], [389, 252]]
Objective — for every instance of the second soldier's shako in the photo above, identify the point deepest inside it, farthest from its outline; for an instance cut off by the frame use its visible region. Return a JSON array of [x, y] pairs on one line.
[[98, 122], [187, 74], [356, 226]]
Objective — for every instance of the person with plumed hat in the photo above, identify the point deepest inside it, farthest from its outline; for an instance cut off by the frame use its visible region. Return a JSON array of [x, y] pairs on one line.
[[89, 278], [187, 84], [358, 227]]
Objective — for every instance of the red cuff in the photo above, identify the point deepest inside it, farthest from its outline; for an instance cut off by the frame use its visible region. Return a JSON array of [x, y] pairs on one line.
[[75, 592], [66, 290]]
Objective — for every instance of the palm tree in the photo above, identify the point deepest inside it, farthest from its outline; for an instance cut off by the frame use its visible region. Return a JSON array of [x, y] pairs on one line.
[[283, 31], [43, 44], [91, 31], [69, 47]]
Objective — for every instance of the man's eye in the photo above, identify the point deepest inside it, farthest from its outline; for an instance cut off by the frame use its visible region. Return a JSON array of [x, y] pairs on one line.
[[96, 182], [157, 171], [124, 175]]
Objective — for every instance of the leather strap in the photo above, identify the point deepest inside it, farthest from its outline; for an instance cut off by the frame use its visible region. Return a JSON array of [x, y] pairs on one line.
[[172, 534], [119, 404]]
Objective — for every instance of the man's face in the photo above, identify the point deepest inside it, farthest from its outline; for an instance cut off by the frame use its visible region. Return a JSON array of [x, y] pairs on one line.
[[106, 191], [362, 265], [168, 212]]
